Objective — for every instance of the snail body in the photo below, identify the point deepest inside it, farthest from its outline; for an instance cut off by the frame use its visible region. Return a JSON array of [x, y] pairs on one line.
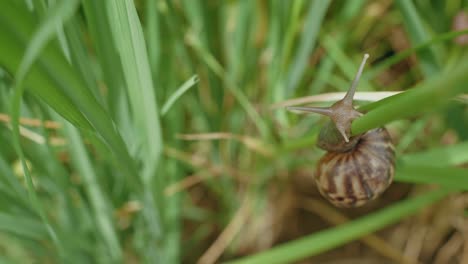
[[355, 169], [359, 175]]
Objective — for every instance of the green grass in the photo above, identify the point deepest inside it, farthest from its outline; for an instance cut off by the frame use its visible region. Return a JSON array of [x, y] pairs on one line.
[[123, 81], [327, 239]]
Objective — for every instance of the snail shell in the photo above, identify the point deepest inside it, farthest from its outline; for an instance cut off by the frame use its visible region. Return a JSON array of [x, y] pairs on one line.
[[356, 169], [352, 178]]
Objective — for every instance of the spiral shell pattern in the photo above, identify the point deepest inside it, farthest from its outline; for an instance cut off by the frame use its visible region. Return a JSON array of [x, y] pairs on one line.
[[351, 179]]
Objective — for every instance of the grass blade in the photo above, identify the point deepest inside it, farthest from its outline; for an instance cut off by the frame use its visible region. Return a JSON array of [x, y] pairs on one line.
[[102, 212], [131, 46], [112, 73], [372, 73], [443, 156], [178, 93], [53, 70], [46, 30], [15, 33], [331, 238], [24, 227], [312, 25], [418, 34], [450, 177], [427, 96], [349, 10]]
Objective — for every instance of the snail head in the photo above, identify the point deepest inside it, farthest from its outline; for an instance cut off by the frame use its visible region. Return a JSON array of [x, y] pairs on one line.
[[336, 135]]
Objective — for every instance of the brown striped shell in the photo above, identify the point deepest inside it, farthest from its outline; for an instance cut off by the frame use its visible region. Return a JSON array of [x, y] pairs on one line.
[[356, 169], [352, 178]]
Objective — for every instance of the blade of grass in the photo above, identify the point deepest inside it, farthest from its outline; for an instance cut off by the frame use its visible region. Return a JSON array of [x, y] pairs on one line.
[[107, 56], [57, 15], [79, 57], [334, 237], [443, 156], [131, 46], [291, 31], [153, 34], [218, 69], [333, 215], [427, 96], [12, 42], [377, 69], [451, 177], [99, 203], [46, 30], [237, 41], [349, 10], [128, 38], [418, 34], [337, 54], [19, 225], [281, 43], [178, 93], [412, 133], [13, 184], [53, 69], [312, 25]]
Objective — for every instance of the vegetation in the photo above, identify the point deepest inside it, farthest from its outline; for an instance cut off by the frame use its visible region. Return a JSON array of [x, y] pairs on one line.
[[156, 131]]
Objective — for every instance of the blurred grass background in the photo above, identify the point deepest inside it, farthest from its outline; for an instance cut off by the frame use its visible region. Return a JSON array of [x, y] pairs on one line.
[[154, 131]]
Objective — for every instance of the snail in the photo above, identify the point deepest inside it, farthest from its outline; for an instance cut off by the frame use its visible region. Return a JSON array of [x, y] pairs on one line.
[[355, 169]]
